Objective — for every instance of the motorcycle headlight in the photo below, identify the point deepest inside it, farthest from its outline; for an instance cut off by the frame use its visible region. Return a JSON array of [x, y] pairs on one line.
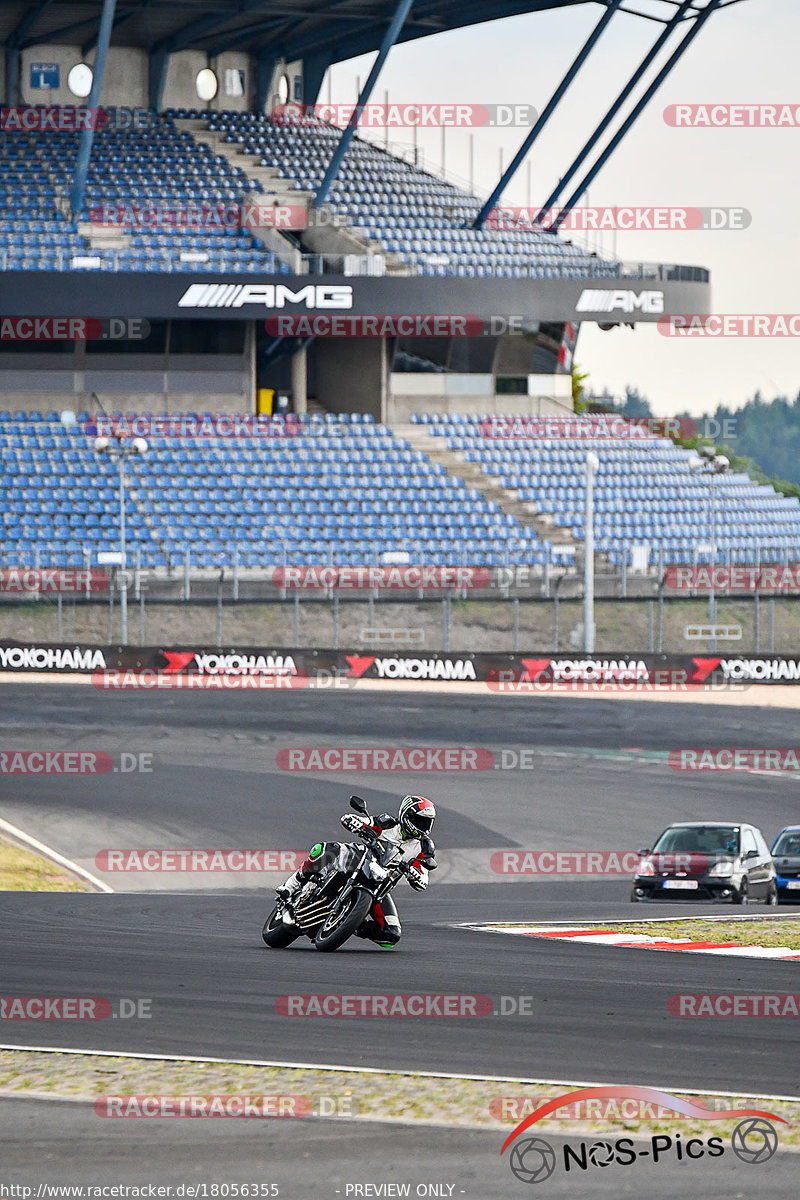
[[722, 870]]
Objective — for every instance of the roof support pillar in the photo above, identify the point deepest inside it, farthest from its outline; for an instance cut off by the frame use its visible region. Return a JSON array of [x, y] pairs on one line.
[[674, 21], [391, 36], [622, 133], [547, 113], [78, 189]]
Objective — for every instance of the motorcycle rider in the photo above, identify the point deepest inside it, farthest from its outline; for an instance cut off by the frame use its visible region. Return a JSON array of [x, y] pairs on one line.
[[414, 821]]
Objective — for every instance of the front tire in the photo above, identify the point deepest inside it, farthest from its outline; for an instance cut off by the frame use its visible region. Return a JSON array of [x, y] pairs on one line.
[[275, 934], [343, 924], [771, 899], [742, 894]]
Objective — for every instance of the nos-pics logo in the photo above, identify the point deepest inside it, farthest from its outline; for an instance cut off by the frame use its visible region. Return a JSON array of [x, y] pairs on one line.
[[534, 1160]]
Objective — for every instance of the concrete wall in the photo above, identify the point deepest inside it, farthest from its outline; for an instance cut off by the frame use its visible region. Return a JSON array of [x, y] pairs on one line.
[[126, 77], [416, 393], [124, 82], [351, 374]]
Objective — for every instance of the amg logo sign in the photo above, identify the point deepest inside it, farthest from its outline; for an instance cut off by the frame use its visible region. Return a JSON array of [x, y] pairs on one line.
[[627, 302], [269, 295]]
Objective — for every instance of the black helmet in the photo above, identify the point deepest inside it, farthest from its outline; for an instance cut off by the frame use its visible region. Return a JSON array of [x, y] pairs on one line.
[[417, 816]]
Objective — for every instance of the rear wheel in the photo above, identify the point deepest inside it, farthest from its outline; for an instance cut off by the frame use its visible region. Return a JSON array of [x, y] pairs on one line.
[[275, 933], [742, 895], [772, 894], [343, 923]]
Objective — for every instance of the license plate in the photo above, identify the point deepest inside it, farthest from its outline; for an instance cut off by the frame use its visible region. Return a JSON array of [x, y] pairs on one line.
[[794, 884], [682, 885]]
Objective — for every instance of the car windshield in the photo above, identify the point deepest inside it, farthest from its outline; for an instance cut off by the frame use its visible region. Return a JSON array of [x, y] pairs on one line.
[[788, 843], [699, 839]]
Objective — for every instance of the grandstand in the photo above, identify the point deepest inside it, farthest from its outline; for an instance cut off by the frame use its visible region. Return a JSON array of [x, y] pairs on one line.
[[378, 444]]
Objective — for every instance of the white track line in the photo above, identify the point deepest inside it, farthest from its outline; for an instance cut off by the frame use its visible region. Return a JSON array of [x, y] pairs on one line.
[[48, 852], [300, 1066]]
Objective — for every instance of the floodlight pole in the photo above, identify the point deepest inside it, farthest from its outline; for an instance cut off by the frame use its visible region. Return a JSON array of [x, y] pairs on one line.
[[392, 33], [592, 465], [123, 583], [78, 188]]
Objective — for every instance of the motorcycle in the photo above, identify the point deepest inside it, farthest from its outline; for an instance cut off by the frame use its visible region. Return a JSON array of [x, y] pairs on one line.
[[333, 904]]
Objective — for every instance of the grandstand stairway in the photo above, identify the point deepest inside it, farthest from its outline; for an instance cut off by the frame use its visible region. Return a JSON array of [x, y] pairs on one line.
[[420, 438], [333, 238]]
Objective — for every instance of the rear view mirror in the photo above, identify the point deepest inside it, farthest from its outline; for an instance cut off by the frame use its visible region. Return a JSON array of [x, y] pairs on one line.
[[645, 851], [430, 862], [358, 804], [751, 854]]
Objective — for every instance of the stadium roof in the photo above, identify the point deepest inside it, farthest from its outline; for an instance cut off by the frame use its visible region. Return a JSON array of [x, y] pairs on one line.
[[290, 29]]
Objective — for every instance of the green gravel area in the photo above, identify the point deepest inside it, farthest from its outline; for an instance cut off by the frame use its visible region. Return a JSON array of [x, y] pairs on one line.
[[341, 1095], [772, 931]]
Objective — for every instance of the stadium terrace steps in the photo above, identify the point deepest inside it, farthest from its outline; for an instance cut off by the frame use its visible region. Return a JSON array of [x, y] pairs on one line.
[[646, 495], [474, 477], [340, 237]]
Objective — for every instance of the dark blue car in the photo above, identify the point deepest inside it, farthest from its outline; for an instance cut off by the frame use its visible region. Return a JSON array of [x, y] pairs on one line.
[[786, 856]]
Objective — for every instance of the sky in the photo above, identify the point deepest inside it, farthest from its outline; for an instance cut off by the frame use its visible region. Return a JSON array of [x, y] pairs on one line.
[[745, 54]]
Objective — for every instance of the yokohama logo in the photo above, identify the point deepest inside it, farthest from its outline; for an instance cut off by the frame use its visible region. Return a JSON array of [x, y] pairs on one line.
[[604, 301], [269, 295], [411, 668]]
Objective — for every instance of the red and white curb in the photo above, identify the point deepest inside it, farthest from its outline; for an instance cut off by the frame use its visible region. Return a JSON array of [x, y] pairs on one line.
[[639, 941]]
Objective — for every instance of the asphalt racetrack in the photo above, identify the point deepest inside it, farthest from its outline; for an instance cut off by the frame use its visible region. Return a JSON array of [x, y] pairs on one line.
[[597, 778]]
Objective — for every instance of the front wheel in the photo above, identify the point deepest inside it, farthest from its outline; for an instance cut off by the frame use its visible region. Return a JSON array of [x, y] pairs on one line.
[[275, 933], [742, 896], [344, 921], [771, 899]]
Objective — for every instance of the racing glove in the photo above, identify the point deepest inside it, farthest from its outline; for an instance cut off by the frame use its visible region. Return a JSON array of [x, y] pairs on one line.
[[353, 823], [416, 879]]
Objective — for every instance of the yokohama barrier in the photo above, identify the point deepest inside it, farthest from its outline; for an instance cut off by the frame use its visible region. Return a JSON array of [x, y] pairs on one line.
[[120, 667]]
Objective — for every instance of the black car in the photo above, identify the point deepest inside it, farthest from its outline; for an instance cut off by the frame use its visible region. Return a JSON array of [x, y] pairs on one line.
[[707, 860], [786, 856]]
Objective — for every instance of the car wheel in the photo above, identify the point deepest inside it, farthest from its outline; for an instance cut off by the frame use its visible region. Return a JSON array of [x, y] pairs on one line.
[[634, 898], [742, 895], [772, 895]]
